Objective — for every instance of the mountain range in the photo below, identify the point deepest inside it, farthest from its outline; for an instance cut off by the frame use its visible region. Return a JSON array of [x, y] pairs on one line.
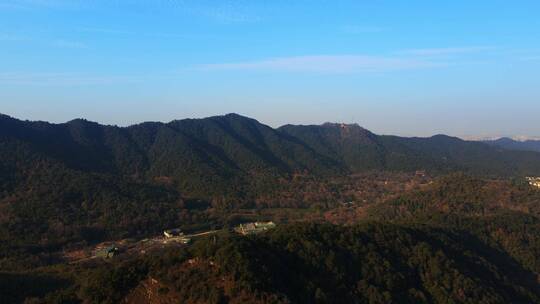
[[231, 147], [88, 176], [512, 144], [82, 171]]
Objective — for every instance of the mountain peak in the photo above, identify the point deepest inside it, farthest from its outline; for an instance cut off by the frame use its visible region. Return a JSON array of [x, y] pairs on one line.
[[341, 125], [235, 115], [348, 130], [229, 116], [81, 122]]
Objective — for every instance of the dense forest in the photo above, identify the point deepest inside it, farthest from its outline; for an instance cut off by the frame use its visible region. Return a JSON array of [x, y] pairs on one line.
[[456, 239], [405, 227]]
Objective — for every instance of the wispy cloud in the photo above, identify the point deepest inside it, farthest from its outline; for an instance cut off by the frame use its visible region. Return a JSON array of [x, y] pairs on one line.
[[69, 44], [63, 79], [31, 4], [12, 37], [356, 29], [101, 30], [57, 43], [230, 16], [122, 32], [327, 64], [226, 12], [448, 50], [400, 60], [530, 58]]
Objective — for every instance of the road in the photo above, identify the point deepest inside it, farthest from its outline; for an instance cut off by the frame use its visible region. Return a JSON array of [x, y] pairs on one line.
[[202, 233]]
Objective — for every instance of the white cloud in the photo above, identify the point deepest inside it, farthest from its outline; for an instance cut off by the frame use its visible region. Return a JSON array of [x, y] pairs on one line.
[[327, 64]]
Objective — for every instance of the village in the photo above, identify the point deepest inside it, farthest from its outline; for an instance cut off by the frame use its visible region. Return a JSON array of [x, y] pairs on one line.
[[169, 238]]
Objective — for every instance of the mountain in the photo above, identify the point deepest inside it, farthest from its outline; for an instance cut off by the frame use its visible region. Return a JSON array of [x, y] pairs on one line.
[[220, 148], [358, 150], [232, 155], [511, 144], [458, 238], [229, 148], [83, 181]]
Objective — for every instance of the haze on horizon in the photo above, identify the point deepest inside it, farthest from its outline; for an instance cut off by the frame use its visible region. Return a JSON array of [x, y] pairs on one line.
[[417, 68]]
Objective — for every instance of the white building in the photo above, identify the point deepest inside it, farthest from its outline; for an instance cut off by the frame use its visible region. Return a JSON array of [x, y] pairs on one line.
[[173, 233]]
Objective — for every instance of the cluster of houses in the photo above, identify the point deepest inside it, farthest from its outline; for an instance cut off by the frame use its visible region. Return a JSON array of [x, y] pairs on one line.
[[254, 228], [534, 181], [176, 235]]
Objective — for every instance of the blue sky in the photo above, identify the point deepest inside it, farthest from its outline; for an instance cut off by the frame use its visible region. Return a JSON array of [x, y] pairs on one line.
[[395, 67]]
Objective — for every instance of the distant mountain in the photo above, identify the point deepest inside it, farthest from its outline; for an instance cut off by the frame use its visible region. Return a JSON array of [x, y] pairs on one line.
[[359, 150], [511, 144]]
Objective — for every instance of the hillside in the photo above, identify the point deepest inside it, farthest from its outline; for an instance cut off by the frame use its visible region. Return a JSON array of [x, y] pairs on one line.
[[463, 195], [455, 239], [314, 263]]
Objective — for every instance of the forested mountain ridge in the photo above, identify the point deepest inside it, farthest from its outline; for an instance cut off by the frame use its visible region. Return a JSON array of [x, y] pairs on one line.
[[361, 149], [219, 148], [510, 144], [233, 147]]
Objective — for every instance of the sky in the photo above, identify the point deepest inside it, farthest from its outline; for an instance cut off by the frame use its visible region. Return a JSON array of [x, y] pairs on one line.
[[412, 68]]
